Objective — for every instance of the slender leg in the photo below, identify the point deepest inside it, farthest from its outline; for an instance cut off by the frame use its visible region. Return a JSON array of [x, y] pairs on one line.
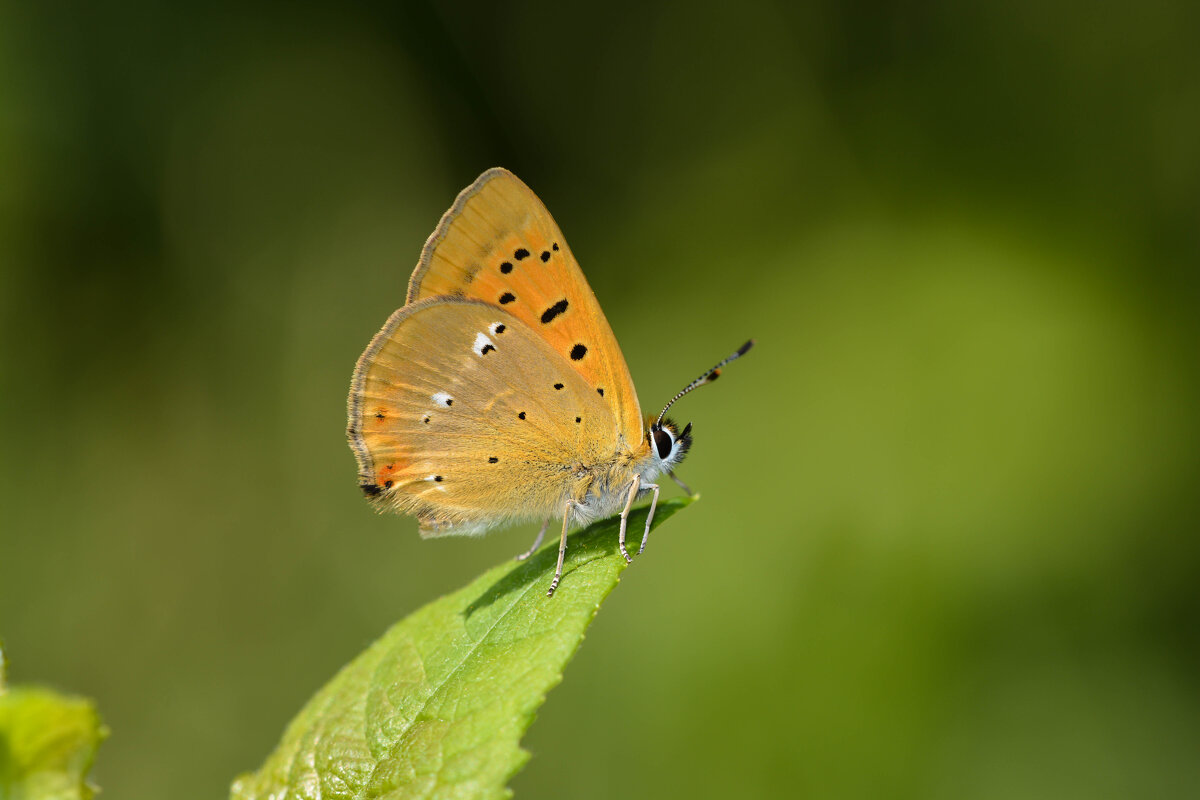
[[536, 542], [682, 485], [633, 493], [649, 517], [562, 548]]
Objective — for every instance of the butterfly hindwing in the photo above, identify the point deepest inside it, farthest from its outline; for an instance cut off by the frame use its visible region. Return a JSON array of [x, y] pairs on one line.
[[498, 244], [464, 416]]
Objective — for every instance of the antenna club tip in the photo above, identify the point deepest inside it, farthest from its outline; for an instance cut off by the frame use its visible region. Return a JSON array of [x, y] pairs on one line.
[[745, 348]]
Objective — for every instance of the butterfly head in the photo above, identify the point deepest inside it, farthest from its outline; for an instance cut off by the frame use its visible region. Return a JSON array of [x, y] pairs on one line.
[[668, 442]]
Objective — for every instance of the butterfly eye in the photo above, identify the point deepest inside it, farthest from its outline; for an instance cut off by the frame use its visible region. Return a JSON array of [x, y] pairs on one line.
[[663, 442]]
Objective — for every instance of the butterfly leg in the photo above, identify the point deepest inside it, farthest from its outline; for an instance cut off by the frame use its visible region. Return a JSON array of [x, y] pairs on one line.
[[682, 485], [649, 517], [562, 548], [536, 542], [633, 493]]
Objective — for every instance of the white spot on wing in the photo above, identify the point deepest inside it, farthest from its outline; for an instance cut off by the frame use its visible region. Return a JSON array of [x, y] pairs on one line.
[[482, 341], [442, 399]]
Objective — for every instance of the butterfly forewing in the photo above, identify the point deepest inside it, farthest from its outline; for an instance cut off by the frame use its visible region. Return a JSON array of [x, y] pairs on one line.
[[465, 416], [498, 244]]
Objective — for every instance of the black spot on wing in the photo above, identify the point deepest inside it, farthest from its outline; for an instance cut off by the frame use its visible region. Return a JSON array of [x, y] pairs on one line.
[[554, 247], [507, 297], [388, 483], [578, 352], [506, 267], [578, 419], [487, 348], [545, 256], [521, 415], [553, 311], [500, 328], [520, 254], [493, 460], [370, 489], [600, 391], [437, 478], [558, 386]]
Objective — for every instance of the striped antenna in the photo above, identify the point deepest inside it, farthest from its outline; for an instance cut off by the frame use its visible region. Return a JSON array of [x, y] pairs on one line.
[[707, 377]]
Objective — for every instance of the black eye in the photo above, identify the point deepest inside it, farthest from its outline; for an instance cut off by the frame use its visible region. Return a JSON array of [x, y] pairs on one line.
[[663, 442]]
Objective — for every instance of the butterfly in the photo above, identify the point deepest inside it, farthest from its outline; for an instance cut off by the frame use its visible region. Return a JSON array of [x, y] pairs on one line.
[[498, 393]]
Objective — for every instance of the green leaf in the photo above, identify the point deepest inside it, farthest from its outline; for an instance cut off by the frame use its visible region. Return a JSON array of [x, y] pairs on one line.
[[437, 707], [47, 744]]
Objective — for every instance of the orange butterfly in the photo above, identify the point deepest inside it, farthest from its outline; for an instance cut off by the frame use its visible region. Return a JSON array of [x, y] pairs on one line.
[[498, 394]]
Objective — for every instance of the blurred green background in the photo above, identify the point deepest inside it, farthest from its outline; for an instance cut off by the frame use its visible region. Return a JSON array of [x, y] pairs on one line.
[[947, 546]]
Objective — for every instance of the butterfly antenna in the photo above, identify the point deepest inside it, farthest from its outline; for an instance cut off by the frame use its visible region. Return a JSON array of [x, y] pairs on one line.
[[708, 377]]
